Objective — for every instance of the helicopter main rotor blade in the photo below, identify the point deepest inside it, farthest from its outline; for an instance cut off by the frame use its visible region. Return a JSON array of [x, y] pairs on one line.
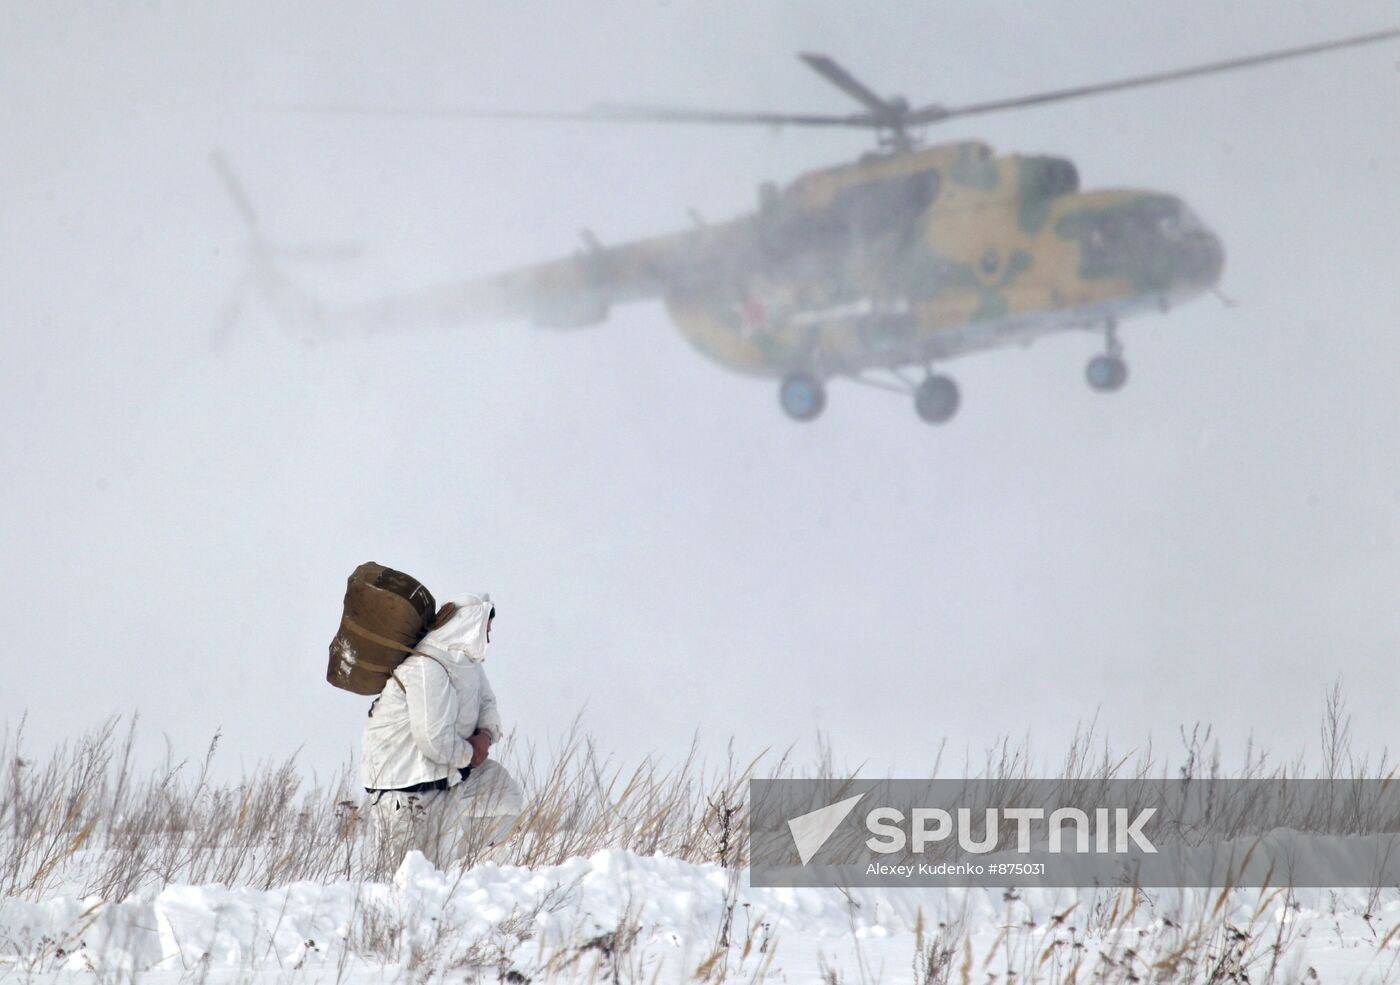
[[625, 113], [828, 69], [353, 109], [882, 114], [602, 113], [936, 113]]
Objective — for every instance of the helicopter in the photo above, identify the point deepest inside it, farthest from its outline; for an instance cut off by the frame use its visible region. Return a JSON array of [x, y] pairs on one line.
[[877, 270]]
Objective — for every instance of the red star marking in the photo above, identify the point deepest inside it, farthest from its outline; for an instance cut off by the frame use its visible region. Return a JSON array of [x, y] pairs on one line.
[[754, 314]]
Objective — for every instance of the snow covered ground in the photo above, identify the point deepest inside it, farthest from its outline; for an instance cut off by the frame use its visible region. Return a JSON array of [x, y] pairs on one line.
[[616, 916], [619, 873]]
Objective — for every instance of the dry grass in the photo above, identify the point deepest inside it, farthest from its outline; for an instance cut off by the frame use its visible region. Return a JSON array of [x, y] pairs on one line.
[[86, 822], [1209, 948], [87, 803], [173, 824]]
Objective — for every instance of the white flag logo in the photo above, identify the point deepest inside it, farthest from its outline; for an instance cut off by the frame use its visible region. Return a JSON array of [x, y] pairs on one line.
[[810, 831]]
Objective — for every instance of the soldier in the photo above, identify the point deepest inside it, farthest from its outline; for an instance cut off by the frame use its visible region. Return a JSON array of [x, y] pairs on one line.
[[427, 744]]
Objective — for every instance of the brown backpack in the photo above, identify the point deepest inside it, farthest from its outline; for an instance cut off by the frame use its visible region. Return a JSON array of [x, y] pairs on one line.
[[386, 613]]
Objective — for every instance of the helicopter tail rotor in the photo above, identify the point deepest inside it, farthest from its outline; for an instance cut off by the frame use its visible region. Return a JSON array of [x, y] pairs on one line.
[[292, 305]]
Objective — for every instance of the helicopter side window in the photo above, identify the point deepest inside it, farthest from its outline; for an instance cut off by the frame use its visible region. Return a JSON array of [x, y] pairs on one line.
[[1108, 231], [925, 186], [1060, 177], [919, 190], [878, 205]]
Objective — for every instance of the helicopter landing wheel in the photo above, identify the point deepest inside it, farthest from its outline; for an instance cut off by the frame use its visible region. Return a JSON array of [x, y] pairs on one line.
[[1106, 373], [936, 400], [803, 397]]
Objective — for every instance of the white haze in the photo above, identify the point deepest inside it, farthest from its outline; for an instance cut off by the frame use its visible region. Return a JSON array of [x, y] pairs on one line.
[[1218, 542]]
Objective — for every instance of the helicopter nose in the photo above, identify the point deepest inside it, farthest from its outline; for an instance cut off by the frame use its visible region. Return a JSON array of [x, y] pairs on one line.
[[1200, 258]]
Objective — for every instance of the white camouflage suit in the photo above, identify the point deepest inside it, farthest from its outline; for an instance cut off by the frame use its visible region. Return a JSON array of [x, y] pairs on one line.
[[417, 733]]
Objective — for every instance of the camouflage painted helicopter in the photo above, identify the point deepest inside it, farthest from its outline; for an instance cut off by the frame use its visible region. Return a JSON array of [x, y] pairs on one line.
[[869, 270]]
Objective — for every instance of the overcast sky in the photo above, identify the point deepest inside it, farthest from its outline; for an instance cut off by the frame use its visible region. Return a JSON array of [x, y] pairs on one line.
[[670, 554]]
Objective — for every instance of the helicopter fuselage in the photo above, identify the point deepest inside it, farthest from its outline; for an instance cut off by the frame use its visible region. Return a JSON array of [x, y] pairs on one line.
[[986, 251], [897, 259]]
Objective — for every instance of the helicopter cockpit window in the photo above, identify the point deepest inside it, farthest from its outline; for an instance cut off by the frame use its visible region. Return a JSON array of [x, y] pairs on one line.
[[1173, 220], [1116, 232], [1139, 227]]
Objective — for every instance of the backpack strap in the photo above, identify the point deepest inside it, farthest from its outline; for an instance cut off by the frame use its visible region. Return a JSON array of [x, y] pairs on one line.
[[408, 651], [374, 637], [418, 653]]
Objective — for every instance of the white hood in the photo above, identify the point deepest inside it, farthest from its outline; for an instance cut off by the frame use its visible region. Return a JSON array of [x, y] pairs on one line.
[[419, 728], [463, 637]]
